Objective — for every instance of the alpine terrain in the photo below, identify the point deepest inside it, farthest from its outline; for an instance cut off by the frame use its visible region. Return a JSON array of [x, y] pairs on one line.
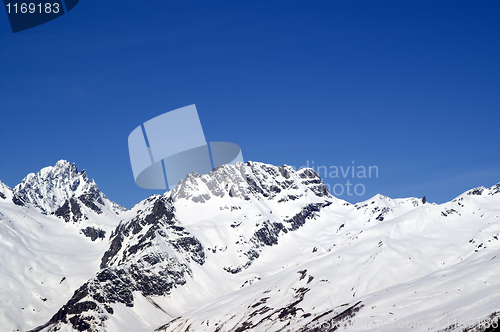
[[247, 247]]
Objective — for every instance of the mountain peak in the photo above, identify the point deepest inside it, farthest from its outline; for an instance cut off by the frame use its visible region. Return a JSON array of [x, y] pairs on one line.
[[5, 191], [246, 180], [52, 186], [479, 191]]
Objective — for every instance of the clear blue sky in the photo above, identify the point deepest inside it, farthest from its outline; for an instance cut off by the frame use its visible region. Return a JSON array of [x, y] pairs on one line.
[[412, 87]]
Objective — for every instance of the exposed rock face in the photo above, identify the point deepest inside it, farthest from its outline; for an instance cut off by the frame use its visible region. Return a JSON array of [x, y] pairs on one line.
[[135, 262], [94, 233], [69, 211]]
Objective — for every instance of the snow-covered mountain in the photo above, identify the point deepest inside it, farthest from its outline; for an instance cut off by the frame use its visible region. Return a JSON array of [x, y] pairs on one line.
[[62, 185], [54, 228], [249, 247]]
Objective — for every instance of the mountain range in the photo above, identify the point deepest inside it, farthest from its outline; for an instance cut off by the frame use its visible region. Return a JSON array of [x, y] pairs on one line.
[[246, 247]]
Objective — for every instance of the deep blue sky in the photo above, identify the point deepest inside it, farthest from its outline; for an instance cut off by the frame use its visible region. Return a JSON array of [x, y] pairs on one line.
[[412, 87]]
